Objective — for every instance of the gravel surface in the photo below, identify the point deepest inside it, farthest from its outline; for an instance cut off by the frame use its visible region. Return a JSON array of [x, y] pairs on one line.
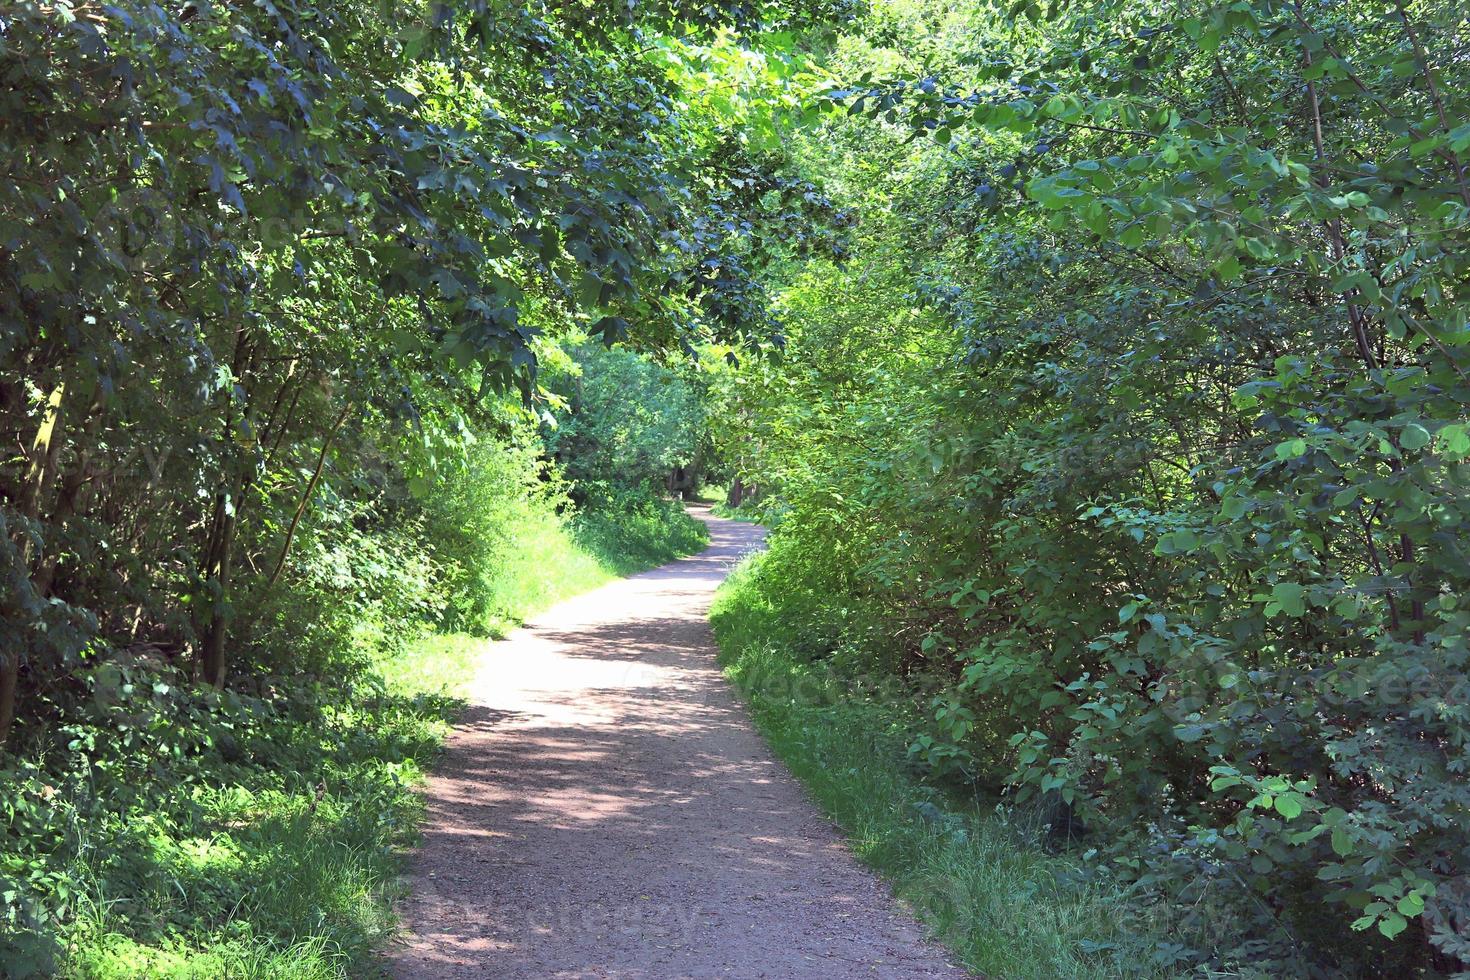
[[605, 809]]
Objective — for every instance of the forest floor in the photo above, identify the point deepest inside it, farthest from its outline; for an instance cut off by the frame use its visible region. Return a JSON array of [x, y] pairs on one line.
[[606, 809]]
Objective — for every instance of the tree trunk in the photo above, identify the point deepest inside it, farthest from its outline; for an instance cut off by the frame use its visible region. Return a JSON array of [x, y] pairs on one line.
[[306, 496], [43, 463], [9, 681], [70, 494], [217, 550], [212, 650]]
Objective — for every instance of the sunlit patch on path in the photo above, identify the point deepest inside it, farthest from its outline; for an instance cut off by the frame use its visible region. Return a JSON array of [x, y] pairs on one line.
[[606, 810]]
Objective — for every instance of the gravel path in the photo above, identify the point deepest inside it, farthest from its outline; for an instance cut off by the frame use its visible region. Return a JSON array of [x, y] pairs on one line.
[[605, 809]]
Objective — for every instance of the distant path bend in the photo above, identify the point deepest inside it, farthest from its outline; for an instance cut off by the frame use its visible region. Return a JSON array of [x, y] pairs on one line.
[[605, 809]]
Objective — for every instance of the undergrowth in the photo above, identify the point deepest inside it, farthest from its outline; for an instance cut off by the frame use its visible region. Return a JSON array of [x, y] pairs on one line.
[[519, 542], [182, 832], [983, 878], [745, 512], [628, 531]]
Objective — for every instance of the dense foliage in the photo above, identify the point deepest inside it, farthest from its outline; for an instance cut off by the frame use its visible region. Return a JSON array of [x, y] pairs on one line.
[[131, 783], [276, 280], [628, 416], [1103, 366], [1137, 426], [239, 239], [982, 877]]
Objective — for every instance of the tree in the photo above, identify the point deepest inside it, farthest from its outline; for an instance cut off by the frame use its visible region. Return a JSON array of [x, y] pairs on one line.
[[1140, 412]]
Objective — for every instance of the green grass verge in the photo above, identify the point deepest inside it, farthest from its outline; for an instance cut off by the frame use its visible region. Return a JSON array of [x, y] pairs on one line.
[[549, 560], [746, 513], [635, 533], [980, 879], [266, 874], [273, 849], [541, 558]]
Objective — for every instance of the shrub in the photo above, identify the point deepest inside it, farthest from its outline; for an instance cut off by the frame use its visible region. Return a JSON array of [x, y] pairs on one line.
[[631, 528], [628, 420], [490, 515]]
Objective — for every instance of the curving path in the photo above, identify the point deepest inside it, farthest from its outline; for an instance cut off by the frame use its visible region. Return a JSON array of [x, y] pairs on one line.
[[605, 809]]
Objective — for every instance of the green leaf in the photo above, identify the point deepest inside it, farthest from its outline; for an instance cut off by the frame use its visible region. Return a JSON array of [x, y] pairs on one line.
[[1177, 542], [1392, 924], [1288, 596], [1291, 449], [1455, 440], [1414, 436], [1289, 805]]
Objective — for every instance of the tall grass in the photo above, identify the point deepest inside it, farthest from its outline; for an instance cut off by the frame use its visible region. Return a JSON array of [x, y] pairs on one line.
[[512, 541], [982, 880], [274, 852], [269, 874]]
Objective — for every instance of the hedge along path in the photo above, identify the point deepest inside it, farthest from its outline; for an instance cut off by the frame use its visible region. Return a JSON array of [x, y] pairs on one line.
[[606, 809]]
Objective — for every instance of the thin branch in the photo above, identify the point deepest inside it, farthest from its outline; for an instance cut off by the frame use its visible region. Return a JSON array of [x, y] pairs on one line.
[[306, 496]]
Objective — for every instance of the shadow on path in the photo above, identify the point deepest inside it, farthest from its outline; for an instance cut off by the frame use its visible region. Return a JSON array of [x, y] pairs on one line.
[[605, 809]]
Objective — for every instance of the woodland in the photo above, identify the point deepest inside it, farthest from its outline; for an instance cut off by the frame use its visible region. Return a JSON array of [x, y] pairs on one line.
[[1099, 368]]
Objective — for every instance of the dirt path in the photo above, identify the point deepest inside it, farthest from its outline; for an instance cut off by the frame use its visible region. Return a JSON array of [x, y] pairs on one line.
[[606, 810]]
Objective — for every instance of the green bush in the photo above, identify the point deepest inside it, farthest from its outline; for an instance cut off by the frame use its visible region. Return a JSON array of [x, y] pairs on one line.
[[511, 541], [1133, 437], [172, 829], [166, 828], [495, 520], [628, 420], [1199, 676], [351, 593], [175, 826], [982, 878], [630, 528]]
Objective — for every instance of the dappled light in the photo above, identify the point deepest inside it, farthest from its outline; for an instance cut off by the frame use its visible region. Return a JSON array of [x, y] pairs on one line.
[[606, 810], [378, 376]]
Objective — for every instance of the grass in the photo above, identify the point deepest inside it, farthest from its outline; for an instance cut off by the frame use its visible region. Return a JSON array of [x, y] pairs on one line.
[[259, 877], [263, 835], [637, 533], [981, 880], [545, 563], [546, 559], [744, 513], [709, 493]]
